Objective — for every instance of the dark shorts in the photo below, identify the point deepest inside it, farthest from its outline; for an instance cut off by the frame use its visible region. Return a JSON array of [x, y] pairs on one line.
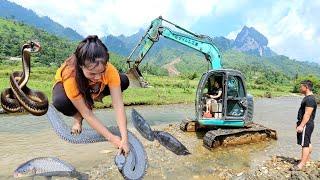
[[304, 138], [63, 104]]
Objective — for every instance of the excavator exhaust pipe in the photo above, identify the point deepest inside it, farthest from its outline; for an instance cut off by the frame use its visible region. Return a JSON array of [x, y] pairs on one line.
[[136, 79]]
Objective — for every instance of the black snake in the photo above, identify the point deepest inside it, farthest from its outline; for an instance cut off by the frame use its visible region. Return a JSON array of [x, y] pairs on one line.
[[132, 167], [19, 96]]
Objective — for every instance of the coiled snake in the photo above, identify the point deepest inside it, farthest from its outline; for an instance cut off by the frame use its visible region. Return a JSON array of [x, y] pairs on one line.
[[132, 167], [19, 96]]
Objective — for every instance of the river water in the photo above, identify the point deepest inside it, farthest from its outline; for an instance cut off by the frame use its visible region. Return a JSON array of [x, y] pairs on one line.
[[23, 137]]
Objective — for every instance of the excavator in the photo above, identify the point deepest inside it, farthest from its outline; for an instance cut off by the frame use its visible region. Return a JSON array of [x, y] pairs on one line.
[[230, 118]]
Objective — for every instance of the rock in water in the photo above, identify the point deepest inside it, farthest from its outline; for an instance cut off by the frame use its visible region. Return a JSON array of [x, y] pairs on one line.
[[171, 143], [142, 126]]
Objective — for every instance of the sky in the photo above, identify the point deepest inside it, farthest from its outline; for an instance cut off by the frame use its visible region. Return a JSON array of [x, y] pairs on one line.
[[291, 26]]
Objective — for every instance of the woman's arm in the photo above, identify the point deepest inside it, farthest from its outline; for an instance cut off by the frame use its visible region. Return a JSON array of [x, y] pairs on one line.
[[93, 121], [217, 96], [117, 103]]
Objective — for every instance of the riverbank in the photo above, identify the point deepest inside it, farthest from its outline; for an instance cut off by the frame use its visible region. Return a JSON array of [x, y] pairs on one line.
[[25, 137], [220, 163], [278, 167], [200, 164], [164, 90], [265, 160]]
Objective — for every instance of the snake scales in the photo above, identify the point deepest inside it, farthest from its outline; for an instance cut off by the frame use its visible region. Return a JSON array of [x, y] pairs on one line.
[[131, 167], [19, 96]]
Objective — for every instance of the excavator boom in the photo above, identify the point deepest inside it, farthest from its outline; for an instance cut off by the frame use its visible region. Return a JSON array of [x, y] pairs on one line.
[[199, 43]]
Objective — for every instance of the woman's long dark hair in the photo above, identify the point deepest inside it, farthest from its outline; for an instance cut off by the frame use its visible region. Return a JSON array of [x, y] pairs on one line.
[[88, 51]]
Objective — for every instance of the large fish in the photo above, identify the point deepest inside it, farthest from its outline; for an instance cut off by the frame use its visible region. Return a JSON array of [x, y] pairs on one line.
[[47, 167], [164, 138], [142, 126], [171, 143]]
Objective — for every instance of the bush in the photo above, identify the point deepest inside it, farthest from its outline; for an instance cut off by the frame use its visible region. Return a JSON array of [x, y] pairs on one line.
[[317, 98], [315, 80], [190, 76], [153, 69]]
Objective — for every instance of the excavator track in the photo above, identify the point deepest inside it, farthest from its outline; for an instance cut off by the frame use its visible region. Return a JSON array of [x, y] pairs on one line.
[[189, 125], [230, 136], [236, 136]]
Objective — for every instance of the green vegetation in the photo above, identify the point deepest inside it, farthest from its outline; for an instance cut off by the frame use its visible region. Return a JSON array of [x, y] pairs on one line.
[[316, 85], [265, 77], [165, 90], [315, 80], [13, 11], [14, 34]]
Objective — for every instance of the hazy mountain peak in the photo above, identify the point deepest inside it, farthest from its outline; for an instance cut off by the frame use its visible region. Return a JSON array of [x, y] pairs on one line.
[[252, 41], [18, 13]]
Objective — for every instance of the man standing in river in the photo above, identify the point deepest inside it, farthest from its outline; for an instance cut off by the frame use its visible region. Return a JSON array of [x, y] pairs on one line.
[[305, 124]]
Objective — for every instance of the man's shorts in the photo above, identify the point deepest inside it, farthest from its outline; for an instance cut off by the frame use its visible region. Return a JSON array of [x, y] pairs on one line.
[[304, 138]]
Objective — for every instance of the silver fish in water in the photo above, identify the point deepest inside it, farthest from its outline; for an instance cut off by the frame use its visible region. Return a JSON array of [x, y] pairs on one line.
[[47, 167]]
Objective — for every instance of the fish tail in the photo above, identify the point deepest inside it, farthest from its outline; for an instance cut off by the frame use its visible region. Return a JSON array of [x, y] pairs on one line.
[[83, 176]]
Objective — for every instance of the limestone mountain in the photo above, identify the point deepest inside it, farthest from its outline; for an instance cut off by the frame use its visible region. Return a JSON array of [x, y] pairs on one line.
[[250, 41]]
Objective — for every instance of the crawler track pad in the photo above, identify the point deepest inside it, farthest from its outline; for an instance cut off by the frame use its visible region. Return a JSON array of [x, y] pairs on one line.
[[235, 136]]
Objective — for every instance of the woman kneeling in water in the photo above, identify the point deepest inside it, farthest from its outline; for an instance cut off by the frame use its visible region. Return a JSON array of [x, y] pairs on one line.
[[87, 76]]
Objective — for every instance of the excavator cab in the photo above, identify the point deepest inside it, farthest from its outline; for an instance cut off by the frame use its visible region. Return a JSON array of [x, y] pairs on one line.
[[234, 108], [212, 106]]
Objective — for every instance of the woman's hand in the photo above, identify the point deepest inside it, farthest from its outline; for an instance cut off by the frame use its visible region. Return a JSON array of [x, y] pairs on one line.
[[124, 147], [121, 144], [115, 140]]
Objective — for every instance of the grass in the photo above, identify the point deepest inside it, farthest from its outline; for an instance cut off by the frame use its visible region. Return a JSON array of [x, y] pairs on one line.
[[165, 90]]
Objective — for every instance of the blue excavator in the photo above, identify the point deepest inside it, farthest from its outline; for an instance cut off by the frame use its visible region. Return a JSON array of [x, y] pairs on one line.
[[227, 119]]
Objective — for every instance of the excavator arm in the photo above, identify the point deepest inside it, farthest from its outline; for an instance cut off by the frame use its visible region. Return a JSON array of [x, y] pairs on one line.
[[200, 43]]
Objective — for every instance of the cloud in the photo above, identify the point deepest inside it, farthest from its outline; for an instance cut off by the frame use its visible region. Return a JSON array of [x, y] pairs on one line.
[[233, 34], [229, 6], [118, 17], [292, 28]]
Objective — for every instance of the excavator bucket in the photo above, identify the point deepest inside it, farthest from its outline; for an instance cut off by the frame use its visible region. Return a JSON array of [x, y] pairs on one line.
[[136, 79]]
